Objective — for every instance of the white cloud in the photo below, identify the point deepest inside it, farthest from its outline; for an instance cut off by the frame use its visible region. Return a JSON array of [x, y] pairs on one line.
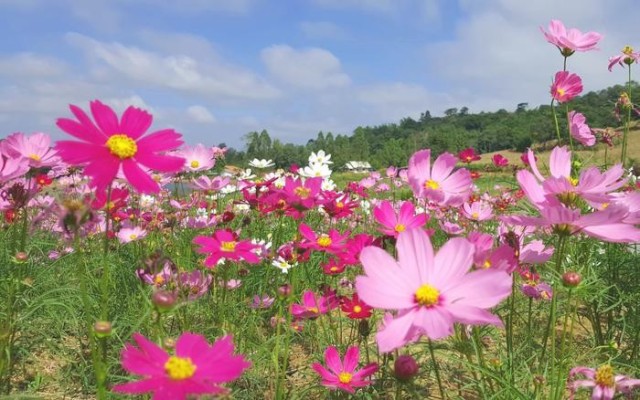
[[200, 114], [311, 68], [177, 72], [31, 65]]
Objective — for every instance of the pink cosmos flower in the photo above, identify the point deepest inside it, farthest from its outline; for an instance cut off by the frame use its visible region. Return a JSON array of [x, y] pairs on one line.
[[499, 160], [468, 155], [197, 368], [126, 235], [196, 158], [225, 245], [438, 183], [430, 291], [203, 182], [34, 148], [313, 306], [111, 145], [301, 195], [343, 375], [626, 57], [392, 223], [604, 383], [334, 242], [12, 167], [566, 86], [580, 130], [569, 41], [477, 211]]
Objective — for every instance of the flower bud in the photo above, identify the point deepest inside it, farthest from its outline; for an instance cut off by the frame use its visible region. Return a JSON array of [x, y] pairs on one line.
[[405, 367], [22, 256], [571, 279], [163, 300], [102, 329], [284, 290]]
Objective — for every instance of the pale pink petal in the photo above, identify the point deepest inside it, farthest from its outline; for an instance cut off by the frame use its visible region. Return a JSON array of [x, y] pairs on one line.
[[470, 315], [436, 322], [384, 286], [482, 288], [394, 334], [560, 162], [451, 263], [442, 166]]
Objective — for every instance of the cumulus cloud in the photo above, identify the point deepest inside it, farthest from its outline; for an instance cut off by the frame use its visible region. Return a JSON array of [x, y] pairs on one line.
[[311, 68], [30, 65], [200, 114]]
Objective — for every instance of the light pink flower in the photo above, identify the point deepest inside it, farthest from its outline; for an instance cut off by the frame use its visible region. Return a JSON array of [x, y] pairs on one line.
[[196, 158], [571, 40], [580, 130], [566, 86], [343, 375], [438, 183], [35, 148], [392, 223], [604, 383], [313, 305], [626, 57], [430, 291], [477, 211], [126, 235]]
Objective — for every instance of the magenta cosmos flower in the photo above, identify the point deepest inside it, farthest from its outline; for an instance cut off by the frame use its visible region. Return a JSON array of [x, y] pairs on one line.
[[225, 245], [313, 305], [343, 375], [566, 86], [393, 224], [571, 40], [334, 242], [110, 145], [438, 183], [197, 368], [604, 383], [499, 160], [430, 291]]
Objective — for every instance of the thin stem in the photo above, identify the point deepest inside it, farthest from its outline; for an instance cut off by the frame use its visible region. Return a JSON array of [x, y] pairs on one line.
[[436, 370], [627, 122], [555, 120]]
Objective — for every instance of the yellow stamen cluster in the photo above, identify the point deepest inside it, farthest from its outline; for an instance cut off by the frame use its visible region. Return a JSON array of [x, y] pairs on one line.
[[560, 91], [400, 228], [302, 192], [345, 377], [604, 376], [324, 241], [195, 164], [431, 184], [357, 309], [228, 246], [628, 50], [34, 157], [122, 146], [179, 368], [427, 295]]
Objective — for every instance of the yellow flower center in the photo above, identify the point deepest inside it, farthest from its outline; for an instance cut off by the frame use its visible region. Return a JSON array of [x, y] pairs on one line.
[[314, 310], [133, 236], [628, 50], [574, 181], [603, 206], [324, 241], [400, 228], [158, 280], [345, 377], [122, 146], [487, 264], [302, 192], [475, 215], [195, 164], [604, 376], [34, 157], [228, 246], [357, 309], [179, 368], [427, 295], [560, 91], [431, 184], [340, 204], [333, 269]]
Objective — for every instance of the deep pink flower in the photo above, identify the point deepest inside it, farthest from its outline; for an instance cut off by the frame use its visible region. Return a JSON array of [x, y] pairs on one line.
[[468, 155], [334, 242], [626, 57], [313, 305], [225, 245], [197, 368], [604, 383], [392, 223], [499, 160], [438, 183], [430, 291], [580, 130], [111, 145], [343, 375], [566, 86], [569, 41], [301, 195]]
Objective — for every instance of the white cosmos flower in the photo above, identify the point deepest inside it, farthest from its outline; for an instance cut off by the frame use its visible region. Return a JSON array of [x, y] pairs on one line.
[[246, 174], [320, 158], [315, 170], [328, 184], [261, 164], [283, 265]]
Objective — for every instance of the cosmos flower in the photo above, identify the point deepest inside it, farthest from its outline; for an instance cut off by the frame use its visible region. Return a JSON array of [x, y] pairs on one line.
[[225, 245], [109, 146], [626, 57], [566, 86], [603, 381], [392, 224], [580, 130], [197, 368], [343, 375], [571, 40], [197, 158], [438, 183]]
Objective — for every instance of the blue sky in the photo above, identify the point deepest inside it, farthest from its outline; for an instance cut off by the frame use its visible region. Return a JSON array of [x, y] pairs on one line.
[[217, 69]]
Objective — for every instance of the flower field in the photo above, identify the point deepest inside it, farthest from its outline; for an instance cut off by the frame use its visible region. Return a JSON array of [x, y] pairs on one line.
[[136, 265]]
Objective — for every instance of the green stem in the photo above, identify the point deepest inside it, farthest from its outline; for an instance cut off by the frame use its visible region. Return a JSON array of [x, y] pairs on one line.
[[436, 370], [627, 122], [555, 120]]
